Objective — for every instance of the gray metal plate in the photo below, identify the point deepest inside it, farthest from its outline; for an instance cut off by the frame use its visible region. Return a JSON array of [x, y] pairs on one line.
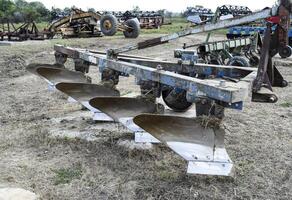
[[199, 145], [122, 107], [86, 91], [58, 75]]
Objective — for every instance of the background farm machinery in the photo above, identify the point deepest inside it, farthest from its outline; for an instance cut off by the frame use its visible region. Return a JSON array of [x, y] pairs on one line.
[[199, 14], [147, 19], [89, 24], [27, 30], [77, 24], [190, 80], [245, 31]]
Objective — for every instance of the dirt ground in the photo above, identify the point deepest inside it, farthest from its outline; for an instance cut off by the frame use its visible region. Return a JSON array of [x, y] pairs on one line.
[[39, 150]]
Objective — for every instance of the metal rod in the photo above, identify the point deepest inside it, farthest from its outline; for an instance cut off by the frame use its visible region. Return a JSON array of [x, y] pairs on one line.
[[199, 29]]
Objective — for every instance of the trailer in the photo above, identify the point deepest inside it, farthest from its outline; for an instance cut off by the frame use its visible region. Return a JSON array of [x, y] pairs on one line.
[[212, 88], [147, 19], [91, 24]]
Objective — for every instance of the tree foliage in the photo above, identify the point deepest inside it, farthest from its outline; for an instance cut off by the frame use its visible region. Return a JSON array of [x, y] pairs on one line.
[[20, 10]]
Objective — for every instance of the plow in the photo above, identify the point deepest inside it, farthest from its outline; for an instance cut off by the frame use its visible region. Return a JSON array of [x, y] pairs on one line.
[[170, 89]]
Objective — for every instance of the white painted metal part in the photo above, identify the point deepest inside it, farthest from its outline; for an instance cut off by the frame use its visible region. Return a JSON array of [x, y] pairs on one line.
[[141, 136]]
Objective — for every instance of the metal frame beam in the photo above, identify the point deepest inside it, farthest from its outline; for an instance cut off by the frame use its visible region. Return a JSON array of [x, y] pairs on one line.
[[217, 89]]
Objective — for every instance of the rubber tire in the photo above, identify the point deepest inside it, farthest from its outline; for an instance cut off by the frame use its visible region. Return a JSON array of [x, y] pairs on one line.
[[238, 61], [135, 25], [180, 105], [285, 52], [114, 23]]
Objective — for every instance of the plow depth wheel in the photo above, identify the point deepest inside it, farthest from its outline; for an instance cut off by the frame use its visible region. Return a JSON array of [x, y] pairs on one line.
[[108, 25], [238, 61], [285, 52], [134, 28], [176, 99]]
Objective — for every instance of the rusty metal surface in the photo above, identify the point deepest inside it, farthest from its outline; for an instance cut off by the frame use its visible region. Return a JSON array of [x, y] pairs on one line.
[[203, 147], [85, 91], [75, 16], [58, 75], [122, 107]]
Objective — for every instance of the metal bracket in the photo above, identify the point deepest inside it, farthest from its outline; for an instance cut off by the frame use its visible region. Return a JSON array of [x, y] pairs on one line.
[[81, 65], [60, 58]]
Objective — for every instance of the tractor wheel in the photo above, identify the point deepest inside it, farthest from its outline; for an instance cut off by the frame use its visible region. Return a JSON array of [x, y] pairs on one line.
[[285, 52], [238, 61], [134, 28], [176, 99], [109, 25]]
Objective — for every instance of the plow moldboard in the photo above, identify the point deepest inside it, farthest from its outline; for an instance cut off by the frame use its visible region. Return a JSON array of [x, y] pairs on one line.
[[123, 107], [86, 91], [83, 92], [58, 75], [202, 147], [123, 110]]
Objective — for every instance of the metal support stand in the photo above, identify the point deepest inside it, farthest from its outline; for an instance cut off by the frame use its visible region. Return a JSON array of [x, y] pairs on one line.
[[60, 59], [81, 66], [268, 75]]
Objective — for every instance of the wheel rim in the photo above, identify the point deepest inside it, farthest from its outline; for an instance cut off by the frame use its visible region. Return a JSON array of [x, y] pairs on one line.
[[107, 24]]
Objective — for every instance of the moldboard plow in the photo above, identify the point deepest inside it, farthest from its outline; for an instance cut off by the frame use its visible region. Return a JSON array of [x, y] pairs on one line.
[[212, 88]]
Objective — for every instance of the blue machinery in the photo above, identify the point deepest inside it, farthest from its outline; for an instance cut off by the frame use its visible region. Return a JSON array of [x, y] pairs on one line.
[[246, 31], [212, 88]]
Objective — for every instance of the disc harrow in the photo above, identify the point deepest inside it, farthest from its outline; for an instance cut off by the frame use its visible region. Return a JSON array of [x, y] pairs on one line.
[[212, 88]]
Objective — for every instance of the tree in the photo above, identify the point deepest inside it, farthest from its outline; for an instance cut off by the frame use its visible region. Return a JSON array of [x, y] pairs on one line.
[[38, 10], [91, 10], [7, 8], [55, 13], [136, 9]]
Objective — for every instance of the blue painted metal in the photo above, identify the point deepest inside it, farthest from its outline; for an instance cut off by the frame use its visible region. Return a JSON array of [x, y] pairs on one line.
[[241, 31], [230, 93]]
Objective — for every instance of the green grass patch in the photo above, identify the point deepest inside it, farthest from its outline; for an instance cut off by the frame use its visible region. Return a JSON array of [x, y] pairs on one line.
[[66, 175], [286, 105]]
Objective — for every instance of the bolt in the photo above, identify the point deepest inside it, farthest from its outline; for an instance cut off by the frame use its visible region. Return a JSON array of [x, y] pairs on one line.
[[222, 83], [159, 67]]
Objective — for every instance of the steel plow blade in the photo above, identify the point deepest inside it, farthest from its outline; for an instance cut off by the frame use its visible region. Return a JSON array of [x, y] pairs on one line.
[[83, 92], [33, 67], [202, 147], [123, 110], [61, 75]]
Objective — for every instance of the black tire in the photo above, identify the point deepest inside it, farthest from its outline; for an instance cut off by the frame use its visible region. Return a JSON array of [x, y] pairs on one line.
[[178, 102], [285, 52], [238, 61], [109, 25], [134, 30]]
